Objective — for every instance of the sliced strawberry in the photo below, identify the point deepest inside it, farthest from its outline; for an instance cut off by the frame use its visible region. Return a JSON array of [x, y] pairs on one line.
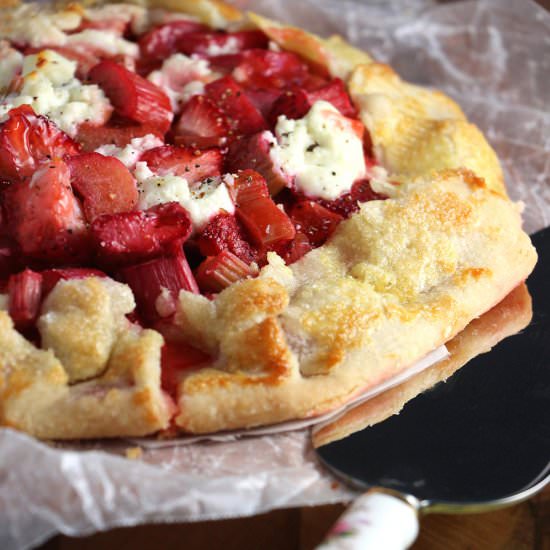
[[292, 104], [297, 248], [253, 152], [137, 236], [348, 203], [218, 42], [219, 272], [314, 220], [149, 279], [26, 139], [178, 357], [264, 99], [232, 100], [268, 69], [24, 298], [223, 232], [265, 223], [335, 93], [50, 277], [104, 184], [201, 124], [192, 164], [44, 216], [133, 96], [162, 41], [115, 132]]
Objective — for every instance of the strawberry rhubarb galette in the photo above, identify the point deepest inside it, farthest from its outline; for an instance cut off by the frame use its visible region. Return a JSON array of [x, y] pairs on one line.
[[210, 221]]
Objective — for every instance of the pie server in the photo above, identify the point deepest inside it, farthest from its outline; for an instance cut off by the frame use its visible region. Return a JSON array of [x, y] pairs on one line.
[[478, 442]]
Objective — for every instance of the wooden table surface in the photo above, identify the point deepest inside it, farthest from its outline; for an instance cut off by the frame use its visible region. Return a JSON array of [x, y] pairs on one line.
[[525, 526]]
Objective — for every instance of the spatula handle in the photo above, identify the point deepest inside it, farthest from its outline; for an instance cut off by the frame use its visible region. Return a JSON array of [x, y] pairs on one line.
[[377, 519]]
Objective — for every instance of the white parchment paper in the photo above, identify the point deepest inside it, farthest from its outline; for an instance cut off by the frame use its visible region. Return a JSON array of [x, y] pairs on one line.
[[493, 57]]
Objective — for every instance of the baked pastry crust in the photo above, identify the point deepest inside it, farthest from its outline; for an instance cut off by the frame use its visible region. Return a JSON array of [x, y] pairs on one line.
[[396, 280]]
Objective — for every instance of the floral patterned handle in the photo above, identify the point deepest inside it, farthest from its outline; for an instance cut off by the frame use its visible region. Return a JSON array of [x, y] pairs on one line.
[[376, 520]]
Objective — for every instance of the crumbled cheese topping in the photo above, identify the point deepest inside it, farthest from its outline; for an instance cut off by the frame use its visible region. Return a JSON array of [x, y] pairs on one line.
[[51, 89], [130, 154], [231, 46], [320, 151], [11, 62], [182, 77], [379, 182], [202, 202], [106, 41]]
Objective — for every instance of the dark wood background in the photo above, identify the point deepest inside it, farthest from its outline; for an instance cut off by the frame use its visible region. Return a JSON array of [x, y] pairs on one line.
[[525, 526]]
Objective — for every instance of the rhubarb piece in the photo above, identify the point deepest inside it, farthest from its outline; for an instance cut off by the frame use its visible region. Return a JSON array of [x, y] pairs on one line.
[[244, 117], [253, 152], [104, 184], [218, 272], [26, 139], [162, 41], [212, 43], [315, 221], [192, 164], [167, 275], [24, 298], [114, 133], [297, 248], [136, 236], [348, 203], [133, 96], [265, 223], [50, 277], [44, 216], [201, 124], [177, 358], [223, 232]]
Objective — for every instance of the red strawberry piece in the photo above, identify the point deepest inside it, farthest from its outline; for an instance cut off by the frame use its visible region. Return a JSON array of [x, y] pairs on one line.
[[162, 41], [9, 258], [167, 275], [192, 164], [348, 203], [265, 223], [268, 69], [50, 277], [133, 96], [335, 93], [24, 298], [201, 124], [297, 248], [252, 152], [244, 117], [314, 220], [292, 104], [44, 216], [223, 232], [218, 272], [115, 132], [26, 139], [211, 43], [137, 236], [177, 358], [104, 184], [264, 99]]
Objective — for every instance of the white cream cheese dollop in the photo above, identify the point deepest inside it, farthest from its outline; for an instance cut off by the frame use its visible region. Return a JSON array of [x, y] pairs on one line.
[[182, 77], [11, 62], [320, 151], [129, 155], [51, 89], [202, 202], [108, 42]]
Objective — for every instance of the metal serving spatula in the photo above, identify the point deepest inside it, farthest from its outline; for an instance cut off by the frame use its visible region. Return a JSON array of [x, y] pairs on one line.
[[478, 442]]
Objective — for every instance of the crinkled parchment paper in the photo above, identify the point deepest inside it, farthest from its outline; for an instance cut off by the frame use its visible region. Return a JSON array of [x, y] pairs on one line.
[[493, 57]]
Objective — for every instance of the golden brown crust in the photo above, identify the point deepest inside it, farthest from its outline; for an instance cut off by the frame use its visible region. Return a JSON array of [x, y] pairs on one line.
[[395, 281], [506, 318]]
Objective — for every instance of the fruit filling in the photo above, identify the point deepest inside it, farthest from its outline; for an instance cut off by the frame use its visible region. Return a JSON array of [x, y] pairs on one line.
[[152, 149]]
